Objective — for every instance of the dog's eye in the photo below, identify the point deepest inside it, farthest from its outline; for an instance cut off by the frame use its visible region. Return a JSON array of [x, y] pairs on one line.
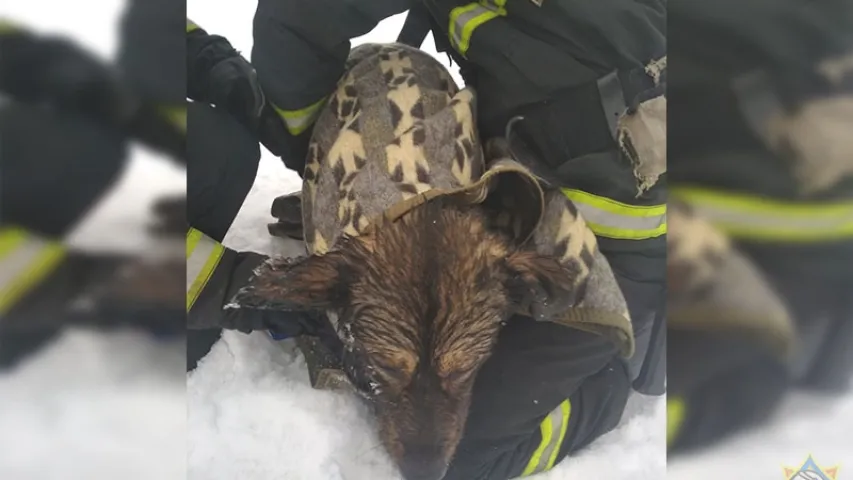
[[456, 377], [396, 370], [393, 375]]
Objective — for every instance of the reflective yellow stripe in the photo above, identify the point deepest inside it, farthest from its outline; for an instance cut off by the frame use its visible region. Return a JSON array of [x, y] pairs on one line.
[[25, 261], [203, 255], [566, 412], [465, 19], [191, 26], [297, 121], [176, 114], [553, 432], [612, 219], [675, 413], [7, 26], [751, 217]]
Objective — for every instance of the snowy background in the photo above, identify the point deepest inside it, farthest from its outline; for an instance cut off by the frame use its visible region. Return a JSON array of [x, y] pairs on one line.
[[96, 406], [104, 406]]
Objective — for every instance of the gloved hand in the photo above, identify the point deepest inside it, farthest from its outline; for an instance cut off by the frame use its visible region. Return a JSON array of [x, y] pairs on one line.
[[281, 324], [247, 319], [213, 308], [234, 86]]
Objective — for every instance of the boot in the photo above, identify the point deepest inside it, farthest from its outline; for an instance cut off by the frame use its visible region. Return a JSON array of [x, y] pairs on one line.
[[288, 210]]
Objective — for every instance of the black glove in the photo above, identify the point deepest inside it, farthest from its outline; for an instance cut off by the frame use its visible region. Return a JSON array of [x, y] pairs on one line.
[[246, 320], [233, 85], [218, 75], [212, 310]]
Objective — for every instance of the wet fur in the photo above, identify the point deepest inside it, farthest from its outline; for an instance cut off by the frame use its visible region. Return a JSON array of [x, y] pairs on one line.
[[418, 302], [419, 305]]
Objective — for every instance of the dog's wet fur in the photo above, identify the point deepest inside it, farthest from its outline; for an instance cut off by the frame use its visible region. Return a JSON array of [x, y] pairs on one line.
[[419, 303]]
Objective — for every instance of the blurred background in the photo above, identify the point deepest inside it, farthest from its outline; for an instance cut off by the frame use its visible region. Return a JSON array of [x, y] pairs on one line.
[[760, 240], [92, 268]]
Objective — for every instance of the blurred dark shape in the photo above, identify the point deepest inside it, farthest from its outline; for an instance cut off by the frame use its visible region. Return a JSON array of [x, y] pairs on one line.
[[65, 133], [761, 246]]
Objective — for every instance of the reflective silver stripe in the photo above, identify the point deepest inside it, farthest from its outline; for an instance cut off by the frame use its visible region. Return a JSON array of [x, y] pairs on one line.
[[18, 262], [298, 121], [297, 125], [730, 217], [750, 217], [556, 419], [464, 20], [23, 265], [202, 259], [612, 219], [553, 431], [600, 217], [778, 226]]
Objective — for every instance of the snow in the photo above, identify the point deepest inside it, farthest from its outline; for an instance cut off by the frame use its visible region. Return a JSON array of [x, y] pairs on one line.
[[806, 424], [101, 406]]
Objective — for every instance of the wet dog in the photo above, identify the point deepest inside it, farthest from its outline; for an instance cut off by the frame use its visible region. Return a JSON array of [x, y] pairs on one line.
[[422, 245]]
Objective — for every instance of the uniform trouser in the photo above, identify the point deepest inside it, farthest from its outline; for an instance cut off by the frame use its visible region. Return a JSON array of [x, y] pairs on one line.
[[53, 168], [222, 164], [725, 384], [535, 368]]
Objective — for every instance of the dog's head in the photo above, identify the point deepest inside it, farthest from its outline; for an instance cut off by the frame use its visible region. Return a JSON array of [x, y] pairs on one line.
[[419, 304]]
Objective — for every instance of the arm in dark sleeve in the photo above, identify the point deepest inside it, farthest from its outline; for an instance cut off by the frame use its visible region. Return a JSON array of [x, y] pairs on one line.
[[217, 74], [204, 52], [547, 391], [54, 71], [215, 274], [300, 49]]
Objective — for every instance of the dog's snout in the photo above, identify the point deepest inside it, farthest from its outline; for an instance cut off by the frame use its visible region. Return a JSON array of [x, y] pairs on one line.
[[423, 463]]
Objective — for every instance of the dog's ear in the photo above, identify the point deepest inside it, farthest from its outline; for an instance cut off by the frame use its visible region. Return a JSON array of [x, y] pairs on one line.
[[317, 282], [541, 286]]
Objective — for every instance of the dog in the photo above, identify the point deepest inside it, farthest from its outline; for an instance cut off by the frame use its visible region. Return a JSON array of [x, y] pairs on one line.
[[422, 244]]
